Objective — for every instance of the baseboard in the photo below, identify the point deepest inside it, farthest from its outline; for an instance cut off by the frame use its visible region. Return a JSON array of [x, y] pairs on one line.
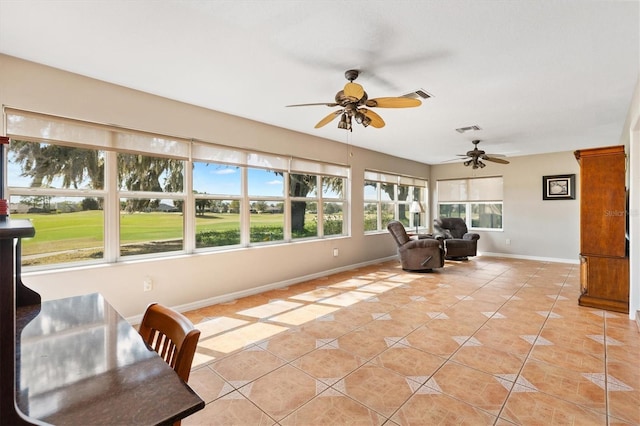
[[537, 258], [223, 298]]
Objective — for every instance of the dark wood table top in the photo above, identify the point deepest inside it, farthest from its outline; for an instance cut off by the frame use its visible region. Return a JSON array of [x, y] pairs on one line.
[[79, 362]]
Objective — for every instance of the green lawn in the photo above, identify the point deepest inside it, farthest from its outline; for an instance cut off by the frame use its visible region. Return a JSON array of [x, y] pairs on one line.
[[79, 230]]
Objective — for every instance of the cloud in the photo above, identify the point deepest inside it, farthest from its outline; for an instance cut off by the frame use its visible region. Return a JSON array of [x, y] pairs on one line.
[[274, 182], [226, 171]]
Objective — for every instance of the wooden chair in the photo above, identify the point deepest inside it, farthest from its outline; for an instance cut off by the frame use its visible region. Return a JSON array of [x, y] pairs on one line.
[[172, 335]]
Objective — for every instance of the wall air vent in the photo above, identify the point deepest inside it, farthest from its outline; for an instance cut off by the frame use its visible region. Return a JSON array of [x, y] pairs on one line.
[[419, 93], [468, 129]]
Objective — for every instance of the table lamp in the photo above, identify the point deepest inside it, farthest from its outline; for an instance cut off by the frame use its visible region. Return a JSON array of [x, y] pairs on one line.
[[416, 209]]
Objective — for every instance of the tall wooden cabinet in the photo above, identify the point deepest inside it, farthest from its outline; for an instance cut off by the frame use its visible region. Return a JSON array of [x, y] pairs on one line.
[[604, 250]]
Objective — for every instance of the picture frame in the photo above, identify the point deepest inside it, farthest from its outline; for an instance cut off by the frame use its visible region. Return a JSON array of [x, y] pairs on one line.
[[559, 187]]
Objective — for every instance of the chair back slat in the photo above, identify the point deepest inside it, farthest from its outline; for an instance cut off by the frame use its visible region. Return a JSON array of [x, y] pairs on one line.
[[172, 336]]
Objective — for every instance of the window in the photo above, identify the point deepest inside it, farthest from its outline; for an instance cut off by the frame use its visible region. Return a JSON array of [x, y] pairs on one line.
[[389, 197], [266, 205], [476, 200], [217, 190], [101, 193], [151, 203]]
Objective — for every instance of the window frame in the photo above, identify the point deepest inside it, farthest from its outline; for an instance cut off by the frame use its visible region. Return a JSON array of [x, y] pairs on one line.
[[43, 128], [467, 197], [395, 204]]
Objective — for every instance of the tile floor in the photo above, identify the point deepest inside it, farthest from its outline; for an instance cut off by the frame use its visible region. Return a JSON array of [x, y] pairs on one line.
[[489, 341]]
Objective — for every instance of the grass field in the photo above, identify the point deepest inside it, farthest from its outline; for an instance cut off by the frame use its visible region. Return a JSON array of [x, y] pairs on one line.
[[83, 230]]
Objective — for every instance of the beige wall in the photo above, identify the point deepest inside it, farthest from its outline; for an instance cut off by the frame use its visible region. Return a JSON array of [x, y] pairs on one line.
[[185, 280], [536, 228]]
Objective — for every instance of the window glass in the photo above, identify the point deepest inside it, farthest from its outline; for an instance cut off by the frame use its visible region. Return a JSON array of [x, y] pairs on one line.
[[458, 197], [217, 222], [304, 219], [303, 185], [393, 201], [370, 190], [486, 215], [263, 182], [452, 210], [212, 178], [333, 187], [333, 219], [69, 229], [370, 216], [43, 165], [387, 214], [266, 221], [386, 191], [138, 172], [150, 226]]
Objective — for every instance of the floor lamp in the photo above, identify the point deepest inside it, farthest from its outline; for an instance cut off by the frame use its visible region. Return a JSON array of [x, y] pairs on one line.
[[416, 209]]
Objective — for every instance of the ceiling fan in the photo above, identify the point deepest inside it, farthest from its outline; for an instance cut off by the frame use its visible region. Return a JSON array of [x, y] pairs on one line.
[[477, 155], [354, 104]]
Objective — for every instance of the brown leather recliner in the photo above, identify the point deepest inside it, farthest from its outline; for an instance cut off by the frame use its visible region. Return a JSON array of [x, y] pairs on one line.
[[416, 255], [458, 242]]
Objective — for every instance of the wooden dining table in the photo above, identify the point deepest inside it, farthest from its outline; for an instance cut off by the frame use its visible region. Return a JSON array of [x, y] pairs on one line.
[[79, 362]]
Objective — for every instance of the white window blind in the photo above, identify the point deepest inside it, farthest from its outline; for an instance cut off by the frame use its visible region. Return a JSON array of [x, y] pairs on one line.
[[475, 189]]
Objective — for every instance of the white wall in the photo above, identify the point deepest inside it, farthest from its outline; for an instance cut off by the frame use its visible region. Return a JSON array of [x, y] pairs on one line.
[[536, 228], [631, 138]]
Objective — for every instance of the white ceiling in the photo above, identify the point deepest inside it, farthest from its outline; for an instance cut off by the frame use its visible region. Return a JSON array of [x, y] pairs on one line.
[[537, 76]]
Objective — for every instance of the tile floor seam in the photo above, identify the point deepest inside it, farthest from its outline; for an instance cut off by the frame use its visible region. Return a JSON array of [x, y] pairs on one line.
[[534, 277]]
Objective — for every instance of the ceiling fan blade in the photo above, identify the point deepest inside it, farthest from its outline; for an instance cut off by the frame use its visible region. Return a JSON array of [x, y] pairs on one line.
[[329, 104], [353, 90], [376, 120], [496, 160], [329, 118], [393, 102]]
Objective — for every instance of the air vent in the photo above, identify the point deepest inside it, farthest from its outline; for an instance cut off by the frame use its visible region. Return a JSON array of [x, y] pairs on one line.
[[468, 129], [419, 93]]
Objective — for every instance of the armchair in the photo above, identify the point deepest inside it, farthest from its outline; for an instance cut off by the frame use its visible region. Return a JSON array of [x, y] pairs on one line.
[[416, 255], [458, 242]]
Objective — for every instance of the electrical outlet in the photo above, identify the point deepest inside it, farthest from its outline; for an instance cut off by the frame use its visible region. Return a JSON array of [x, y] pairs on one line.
[[147, 284], [508, 242], [335, 252]]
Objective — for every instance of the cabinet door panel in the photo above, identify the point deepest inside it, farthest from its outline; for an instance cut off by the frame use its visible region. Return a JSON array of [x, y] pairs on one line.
[[602, 204]]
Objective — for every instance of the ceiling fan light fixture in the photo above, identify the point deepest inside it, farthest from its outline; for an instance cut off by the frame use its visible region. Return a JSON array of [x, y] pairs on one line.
[[361, 118], [345, 122]]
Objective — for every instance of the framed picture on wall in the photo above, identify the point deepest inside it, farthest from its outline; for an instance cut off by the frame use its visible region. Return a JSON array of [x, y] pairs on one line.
[[559, 187]]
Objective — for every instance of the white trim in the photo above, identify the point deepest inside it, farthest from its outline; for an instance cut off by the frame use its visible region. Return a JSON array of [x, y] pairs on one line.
[[538, 258]]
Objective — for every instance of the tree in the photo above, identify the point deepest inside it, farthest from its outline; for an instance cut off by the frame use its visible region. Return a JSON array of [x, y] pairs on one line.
[[90, 204], [43, 163], [136, 172], [388, 188], [300, 186], [201, 205]]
